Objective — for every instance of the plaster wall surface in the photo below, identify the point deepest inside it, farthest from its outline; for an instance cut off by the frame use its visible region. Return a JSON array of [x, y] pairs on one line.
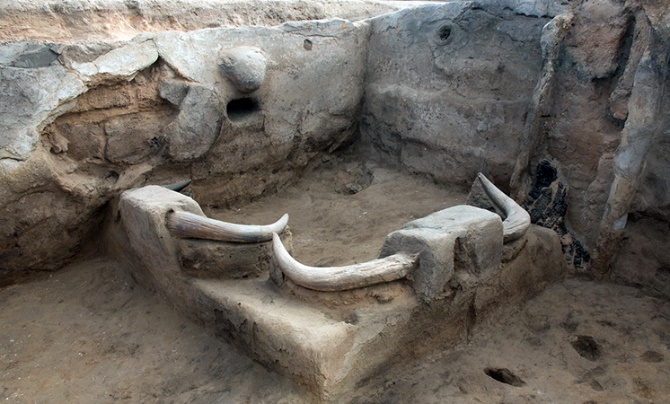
[[448, 88], [444, 89]]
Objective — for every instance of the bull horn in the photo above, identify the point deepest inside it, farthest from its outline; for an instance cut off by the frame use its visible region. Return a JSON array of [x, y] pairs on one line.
[[178, 186], [517, 220], [190, 225], [332, 279]]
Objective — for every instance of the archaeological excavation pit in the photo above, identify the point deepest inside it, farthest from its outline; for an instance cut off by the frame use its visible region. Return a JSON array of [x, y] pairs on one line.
[[360, 201]]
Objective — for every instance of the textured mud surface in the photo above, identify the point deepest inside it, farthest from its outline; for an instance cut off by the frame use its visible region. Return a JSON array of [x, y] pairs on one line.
[[577, 342], [89, 333]]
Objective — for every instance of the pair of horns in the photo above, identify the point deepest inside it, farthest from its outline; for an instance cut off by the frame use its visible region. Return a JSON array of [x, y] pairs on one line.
[[328, 279], [393, 267], [190, 225]]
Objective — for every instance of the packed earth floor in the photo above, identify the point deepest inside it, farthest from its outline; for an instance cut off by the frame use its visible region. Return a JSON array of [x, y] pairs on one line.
[[90, 333]]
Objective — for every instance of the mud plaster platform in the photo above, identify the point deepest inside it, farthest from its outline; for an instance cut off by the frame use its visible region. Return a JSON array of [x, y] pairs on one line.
[[90, 333], [329, 342]]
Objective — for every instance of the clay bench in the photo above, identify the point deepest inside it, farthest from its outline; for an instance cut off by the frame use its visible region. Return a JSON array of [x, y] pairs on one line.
[[330, 328]]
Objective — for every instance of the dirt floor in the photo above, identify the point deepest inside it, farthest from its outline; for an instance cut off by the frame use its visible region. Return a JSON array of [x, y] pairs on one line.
[[577, 342], [342, 209], [89, 333]]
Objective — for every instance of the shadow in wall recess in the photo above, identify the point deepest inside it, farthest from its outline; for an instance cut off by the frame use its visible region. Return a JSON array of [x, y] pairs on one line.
[[241, 109]]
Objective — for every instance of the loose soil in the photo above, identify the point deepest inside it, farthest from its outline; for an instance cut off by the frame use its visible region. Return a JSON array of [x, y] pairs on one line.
[[89, 333]]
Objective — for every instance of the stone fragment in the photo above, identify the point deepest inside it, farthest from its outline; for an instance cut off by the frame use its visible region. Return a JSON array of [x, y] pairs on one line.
[[244, 66], [353, 188], [198, 124], [27, 55], [30, 99], [122, 62], [82, 52], [173, 91]]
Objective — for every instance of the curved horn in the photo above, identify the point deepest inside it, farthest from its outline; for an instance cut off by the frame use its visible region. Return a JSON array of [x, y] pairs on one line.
[[178, 186], [517, 220], [332, 279], [190, 225]]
